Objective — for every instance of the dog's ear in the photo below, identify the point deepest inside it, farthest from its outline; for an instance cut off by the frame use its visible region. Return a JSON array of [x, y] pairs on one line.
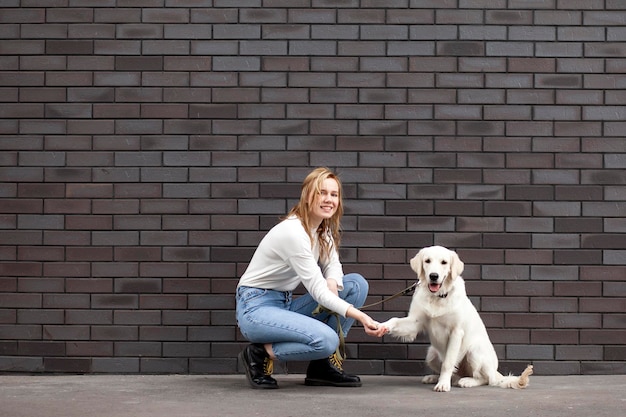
[[416, 264], [456, 265]]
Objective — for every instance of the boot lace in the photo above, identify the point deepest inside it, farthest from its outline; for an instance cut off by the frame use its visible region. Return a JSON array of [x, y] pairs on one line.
[[268, 366], [335, 361]]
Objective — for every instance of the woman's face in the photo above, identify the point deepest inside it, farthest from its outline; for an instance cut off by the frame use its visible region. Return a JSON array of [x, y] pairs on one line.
[[325, 204]]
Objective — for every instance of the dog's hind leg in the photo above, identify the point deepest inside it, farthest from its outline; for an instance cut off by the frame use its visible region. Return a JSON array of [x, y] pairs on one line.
[[469, 382], [476, 370]]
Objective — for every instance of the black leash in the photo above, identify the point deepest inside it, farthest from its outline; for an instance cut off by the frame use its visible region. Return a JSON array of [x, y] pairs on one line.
[[407, 291]]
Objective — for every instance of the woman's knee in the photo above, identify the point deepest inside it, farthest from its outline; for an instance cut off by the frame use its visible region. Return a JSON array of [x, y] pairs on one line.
[[356, 280], [355, 288], [327, 344]]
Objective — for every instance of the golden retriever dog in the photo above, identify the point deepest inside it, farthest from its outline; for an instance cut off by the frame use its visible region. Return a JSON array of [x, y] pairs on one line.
[[460, 353]]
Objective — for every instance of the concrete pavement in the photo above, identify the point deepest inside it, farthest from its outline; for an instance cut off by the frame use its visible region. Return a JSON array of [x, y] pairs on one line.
[[230, 395]]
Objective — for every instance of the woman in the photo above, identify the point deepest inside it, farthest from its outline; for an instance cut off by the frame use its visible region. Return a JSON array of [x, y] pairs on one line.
[[302, 248]]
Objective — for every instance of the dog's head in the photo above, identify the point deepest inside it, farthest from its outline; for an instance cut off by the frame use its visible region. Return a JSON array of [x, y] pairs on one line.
[[437, 268]]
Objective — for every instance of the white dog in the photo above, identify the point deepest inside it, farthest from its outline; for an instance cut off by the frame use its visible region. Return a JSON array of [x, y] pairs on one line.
[[460, 352]]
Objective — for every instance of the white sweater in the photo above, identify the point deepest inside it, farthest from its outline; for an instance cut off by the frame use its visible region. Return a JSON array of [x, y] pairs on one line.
[[284, 259]]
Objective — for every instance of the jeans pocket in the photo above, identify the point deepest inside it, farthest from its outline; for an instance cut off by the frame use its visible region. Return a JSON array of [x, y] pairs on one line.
[[247, 294]]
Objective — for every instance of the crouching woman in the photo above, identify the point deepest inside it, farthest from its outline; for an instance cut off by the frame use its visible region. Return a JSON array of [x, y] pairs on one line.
[[302, 249]]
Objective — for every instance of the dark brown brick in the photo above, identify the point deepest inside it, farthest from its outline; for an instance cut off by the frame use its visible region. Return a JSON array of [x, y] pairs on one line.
[[525, 320], [114, 301], [168, 302], [91, 349], [114, 333], [69, 47], [44, 348], [91, 317], [69, 365]]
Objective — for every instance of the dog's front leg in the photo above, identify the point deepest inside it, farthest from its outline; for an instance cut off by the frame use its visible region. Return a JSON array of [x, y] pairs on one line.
[[405, 328], [450, 360]]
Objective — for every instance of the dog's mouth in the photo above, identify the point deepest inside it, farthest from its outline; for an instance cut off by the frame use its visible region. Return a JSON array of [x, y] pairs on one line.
[[434, 287]]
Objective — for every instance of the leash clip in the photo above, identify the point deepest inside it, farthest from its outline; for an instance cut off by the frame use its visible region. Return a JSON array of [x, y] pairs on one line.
[[410, 290]]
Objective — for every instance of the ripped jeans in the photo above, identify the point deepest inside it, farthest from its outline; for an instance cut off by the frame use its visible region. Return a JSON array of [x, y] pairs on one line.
[[268, 316]]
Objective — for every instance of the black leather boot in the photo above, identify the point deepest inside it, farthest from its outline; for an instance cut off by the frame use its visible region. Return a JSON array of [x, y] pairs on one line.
[[329, 371], [259, 367]]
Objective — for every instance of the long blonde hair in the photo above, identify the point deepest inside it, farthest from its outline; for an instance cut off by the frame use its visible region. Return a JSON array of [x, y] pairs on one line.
[[330, 229]]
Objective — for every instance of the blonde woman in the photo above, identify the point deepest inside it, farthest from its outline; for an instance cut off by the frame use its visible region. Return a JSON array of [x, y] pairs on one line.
[[301, 249]]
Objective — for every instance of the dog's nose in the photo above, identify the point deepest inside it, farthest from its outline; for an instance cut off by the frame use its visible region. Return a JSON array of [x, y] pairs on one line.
[[434, 276]]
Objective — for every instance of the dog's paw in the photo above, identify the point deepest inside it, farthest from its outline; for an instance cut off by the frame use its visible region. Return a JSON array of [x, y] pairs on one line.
[[430, 379], [389, 324], [401, 329], [442, 386], [468, 382]]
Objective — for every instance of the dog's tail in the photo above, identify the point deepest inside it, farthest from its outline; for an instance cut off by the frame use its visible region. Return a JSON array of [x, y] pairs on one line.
[[516, 382]]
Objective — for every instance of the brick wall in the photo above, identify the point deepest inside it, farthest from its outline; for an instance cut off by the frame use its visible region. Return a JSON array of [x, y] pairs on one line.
[[147, 145]]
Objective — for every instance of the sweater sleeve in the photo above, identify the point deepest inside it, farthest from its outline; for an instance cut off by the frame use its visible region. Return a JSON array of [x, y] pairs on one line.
[[309, 272], [302, 261], [333, 269]]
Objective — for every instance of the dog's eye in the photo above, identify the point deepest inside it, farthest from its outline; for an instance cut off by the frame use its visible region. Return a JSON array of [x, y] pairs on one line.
[[444, 262], [427, 261]]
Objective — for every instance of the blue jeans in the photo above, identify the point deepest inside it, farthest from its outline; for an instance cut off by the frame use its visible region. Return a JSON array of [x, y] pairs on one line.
[[268, 316]]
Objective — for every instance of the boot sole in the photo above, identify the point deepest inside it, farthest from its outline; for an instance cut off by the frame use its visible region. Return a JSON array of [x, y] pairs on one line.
[[242, 358], [312, 382]]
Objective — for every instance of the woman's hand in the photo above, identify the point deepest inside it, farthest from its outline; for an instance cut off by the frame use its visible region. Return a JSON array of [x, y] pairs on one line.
[[371, 326]]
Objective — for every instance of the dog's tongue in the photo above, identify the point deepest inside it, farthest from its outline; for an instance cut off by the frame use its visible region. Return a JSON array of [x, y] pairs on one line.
[[434, 287]]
